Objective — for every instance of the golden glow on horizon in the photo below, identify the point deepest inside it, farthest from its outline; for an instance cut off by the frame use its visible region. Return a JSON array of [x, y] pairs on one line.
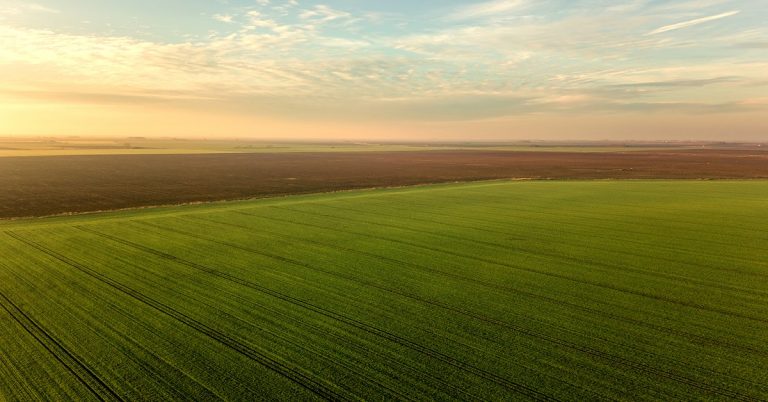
[[79, 120]]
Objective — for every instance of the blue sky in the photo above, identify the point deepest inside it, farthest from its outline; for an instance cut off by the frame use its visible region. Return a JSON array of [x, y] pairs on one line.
[[497, 69]]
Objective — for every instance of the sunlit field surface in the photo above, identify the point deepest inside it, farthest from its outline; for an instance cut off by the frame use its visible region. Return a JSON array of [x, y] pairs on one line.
[[639, 290], [55, 146]]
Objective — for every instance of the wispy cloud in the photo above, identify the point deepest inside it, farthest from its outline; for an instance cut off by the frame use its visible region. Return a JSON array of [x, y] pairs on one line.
[[683, 5], [40, 8], [680, 83], [224, 18], [754, 45], [697, 21], [322, 13], [19, 7], [487, 9]]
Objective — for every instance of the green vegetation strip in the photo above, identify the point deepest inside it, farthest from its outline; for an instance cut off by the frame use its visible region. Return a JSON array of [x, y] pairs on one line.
[[602, 290]]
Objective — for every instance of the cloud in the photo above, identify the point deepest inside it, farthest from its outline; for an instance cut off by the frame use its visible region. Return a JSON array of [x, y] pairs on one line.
[[690, 5], [681, 83], [486, 9], [322, 14], [686, 24], [257, 20], [224, 18], [104, 98], [322, 61], [753, 45], [18, 7]]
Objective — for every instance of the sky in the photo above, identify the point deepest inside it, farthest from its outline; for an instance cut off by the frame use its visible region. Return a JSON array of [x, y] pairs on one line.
[[386, 70]]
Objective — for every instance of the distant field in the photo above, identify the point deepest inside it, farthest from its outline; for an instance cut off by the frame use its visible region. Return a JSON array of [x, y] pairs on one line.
[[39, 186], [22, 147], [546, 290], [153, 147]]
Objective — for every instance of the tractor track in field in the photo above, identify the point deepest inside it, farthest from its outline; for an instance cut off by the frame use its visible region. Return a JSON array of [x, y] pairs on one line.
[[280, 368], [590, 351], [95, 385], [702, 340], [522, 389], [545, 273], [549, 213], [506, 198], [510, 290], [231, 318], [662, 373], [416, 297], [313, 351], [415, 371], [566, 259], [252, 251], [528, 225], [278, 258], [149, 369]]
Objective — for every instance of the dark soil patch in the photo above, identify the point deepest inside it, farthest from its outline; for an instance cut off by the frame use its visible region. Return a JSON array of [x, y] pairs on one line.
[[35, 186]]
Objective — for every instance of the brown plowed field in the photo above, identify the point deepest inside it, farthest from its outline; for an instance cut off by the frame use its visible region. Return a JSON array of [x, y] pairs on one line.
[[35, 186]]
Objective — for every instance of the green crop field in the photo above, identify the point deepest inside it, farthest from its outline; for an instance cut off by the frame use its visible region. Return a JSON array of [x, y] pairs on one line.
[[544, 290]]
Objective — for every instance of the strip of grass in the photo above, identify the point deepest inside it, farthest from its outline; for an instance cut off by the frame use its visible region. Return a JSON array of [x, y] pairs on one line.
[[647, 290]]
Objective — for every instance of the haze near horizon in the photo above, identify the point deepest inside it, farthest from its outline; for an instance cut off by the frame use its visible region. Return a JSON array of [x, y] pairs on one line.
[[395, 70]]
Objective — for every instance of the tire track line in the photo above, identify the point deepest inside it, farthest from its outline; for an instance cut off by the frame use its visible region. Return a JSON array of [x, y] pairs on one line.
[[319, 353], [536, 197], [568, 260], [531, 270], [361, 349], [686, 335], [280, 368], [706, 372], [662, 373], [36, 286], [114, 345], [642, 207], [550, 213], [501, 207], [520, 388], [528, 225], [239, 247], [78, 369]]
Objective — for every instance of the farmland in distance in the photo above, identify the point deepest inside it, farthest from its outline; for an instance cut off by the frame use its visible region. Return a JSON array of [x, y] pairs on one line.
[[38, 186], [537, 290]]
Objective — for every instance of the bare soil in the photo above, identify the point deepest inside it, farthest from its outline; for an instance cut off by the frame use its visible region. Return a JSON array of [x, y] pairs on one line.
[[37, 186]]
